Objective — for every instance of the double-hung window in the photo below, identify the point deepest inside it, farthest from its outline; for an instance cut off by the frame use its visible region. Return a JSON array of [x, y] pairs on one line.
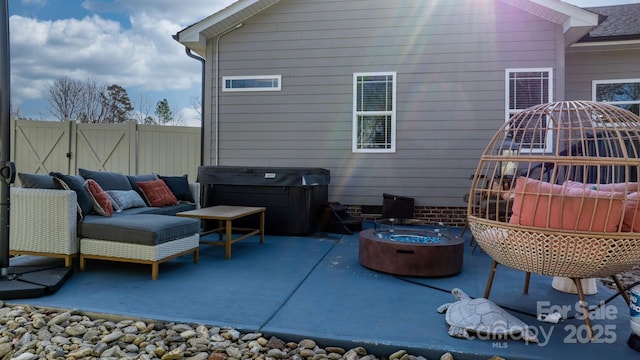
[[374, 112], [624, 93], [525, 88]]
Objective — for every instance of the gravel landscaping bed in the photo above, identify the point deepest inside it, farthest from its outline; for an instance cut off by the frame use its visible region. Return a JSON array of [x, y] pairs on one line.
[[29, 333]]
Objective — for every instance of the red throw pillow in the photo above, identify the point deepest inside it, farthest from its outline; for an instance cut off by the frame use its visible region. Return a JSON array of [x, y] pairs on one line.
[[157, 193], [100, 200]]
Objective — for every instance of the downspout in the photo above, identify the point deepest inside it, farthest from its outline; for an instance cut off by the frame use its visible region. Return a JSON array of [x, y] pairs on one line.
[[202, 61], [217, 94]]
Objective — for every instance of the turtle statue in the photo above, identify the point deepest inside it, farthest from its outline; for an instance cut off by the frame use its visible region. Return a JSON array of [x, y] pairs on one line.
[[484, 317]]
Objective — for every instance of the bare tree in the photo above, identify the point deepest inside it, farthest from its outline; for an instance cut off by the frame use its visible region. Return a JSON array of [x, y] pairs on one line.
[[89, 102], [144, 107], [196, 105], [65, 97], [91, 107]]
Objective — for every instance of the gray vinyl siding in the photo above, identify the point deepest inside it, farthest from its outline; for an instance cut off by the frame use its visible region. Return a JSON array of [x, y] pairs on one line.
[[449, 57], [603, 65]]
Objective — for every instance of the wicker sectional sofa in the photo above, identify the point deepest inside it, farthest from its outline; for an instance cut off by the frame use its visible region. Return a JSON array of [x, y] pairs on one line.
[[50, 217]]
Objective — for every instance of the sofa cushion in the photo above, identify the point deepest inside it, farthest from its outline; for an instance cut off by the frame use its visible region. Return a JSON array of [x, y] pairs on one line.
[[108, 180], [99, 198], [165, 210], [157, 193], [179, 186], [37, 181], [144, 229], [76, 183], [125, 199]]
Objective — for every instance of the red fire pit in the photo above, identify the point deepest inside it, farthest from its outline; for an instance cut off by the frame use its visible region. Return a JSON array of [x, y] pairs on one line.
[[409, 252]]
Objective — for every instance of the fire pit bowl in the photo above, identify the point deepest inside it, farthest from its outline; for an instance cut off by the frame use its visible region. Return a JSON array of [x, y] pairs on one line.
[[399, 248]]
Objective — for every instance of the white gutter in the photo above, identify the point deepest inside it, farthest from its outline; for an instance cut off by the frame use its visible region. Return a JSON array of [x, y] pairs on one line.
[[611, 43]]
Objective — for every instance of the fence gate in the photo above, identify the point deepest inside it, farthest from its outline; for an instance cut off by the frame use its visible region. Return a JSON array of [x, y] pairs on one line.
[[41, 146], [106, 147]]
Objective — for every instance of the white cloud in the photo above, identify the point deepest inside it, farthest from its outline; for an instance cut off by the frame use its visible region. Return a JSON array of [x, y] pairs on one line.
[[139, 56], [34, 2], [190, 116], [183, 12]]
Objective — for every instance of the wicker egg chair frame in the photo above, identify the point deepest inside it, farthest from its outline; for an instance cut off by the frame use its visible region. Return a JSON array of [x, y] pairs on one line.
[[555, 192]]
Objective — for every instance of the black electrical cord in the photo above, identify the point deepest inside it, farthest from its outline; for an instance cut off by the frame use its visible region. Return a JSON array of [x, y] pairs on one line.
[[593, 308]]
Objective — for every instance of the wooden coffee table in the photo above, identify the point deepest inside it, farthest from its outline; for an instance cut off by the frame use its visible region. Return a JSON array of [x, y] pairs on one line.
[[225, 214]]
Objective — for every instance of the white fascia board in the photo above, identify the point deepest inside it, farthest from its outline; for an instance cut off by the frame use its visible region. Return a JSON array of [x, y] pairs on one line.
[[586, 19], [193, 33], [578, 17], [605, 45], [569, 16], [576, 22]]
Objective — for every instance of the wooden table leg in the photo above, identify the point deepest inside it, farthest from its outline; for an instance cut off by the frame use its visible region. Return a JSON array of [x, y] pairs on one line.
[[227, 243], [220, 222], [262, 227]]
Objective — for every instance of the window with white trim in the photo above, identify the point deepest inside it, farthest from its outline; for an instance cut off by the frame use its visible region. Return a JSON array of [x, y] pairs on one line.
[[527, 87], [252, 83], [374, 112], [624, 93]]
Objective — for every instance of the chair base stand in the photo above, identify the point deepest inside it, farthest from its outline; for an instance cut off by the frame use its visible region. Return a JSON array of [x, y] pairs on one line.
[[567, 285], [20, 282], [579, 290]]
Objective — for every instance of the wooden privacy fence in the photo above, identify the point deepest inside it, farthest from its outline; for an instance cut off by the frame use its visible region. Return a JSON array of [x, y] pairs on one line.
[[129, 148]]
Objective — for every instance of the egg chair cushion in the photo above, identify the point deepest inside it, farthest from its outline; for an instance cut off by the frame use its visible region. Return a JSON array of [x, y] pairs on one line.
[[617, 187], [631, 218], [544, 205]]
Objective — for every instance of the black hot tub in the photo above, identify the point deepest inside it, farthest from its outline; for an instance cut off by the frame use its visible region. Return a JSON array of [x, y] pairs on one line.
[[293, 197]]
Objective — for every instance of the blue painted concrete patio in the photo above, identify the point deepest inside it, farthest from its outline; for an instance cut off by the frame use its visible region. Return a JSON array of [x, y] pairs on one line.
[[297, 287]]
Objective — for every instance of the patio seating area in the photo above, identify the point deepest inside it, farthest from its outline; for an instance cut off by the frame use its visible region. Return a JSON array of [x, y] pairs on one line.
[[296, 287]]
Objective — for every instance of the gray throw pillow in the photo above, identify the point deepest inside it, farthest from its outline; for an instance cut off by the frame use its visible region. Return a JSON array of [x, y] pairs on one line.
[[107, 180], [37, 181], [76, 183], [125, 199]]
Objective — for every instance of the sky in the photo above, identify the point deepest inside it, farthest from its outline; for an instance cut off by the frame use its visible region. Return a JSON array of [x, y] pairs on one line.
[[124, 42]]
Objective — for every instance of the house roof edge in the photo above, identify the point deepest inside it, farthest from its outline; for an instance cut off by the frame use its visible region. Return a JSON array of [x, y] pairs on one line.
[[193, 36], [576, 22]]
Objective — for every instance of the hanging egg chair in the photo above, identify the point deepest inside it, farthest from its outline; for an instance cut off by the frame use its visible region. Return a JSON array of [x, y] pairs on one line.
[[556, 193]]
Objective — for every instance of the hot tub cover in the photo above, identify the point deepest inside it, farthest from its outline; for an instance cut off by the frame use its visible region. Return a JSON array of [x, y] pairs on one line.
[[263, 176]]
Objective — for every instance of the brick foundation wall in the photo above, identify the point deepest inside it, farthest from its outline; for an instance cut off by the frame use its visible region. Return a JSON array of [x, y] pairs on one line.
[[448, 215]]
